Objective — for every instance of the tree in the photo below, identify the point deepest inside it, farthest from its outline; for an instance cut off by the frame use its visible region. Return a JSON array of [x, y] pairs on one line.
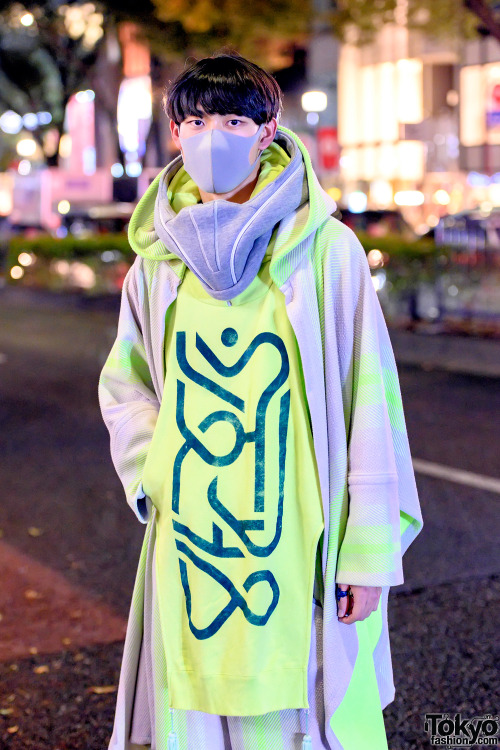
[[205, 25], [50, 49], [175, 31], [46, 53], [434, 18]]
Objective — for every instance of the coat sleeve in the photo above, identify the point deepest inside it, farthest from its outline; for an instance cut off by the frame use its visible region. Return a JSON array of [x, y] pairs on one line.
[[127, 398], [384, 512]]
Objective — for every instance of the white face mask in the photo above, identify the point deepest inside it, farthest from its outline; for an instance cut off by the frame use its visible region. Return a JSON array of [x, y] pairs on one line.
[[218, 161]]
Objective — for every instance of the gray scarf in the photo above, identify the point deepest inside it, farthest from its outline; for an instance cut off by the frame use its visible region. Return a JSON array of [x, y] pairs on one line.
[[222, 242]]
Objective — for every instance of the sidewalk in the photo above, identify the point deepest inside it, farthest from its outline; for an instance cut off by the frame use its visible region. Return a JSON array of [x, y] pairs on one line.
[[467, 355]]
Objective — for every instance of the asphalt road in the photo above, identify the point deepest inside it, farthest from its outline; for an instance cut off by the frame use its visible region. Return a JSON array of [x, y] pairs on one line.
[[65, 527]]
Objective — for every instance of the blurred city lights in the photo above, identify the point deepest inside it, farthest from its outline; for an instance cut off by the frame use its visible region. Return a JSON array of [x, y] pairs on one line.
[[30, 121], [335, 193], [441, 197], [453, 146], [140, 89], [117, 169], [357, 201], [27, 19], [421, 228], [108, 256], [24, 167], [375, 258], [134, 113], [388, 161], [81, 275], [11, 122], [476, 179], [494, 194], [133, 169], [44, 118], [378, 280], [61, 267], [78, 146], [65, 145], [314, 101], [89, 160], [85, 96], [411, 160], [410, 98], [17, 272], [25, 259], [349, 163], [82, 22], [26, 147], [6, 199], [50, 142], [78, 229], [386, 142], [409, 198], [381, 192]]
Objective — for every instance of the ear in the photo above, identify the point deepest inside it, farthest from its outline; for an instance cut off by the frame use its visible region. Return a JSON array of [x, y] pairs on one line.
[[268, 133], [174, 132]]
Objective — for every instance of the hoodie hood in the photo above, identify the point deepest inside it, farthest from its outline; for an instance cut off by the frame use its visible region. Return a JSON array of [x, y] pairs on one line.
[[224, 242]]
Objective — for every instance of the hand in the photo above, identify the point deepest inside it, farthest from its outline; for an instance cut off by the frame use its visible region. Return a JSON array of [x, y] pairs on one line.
[[363, 600]]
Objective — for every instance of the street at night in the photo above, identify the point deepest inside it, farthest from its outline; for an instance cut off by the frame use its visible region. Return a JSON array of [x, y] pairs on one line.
[[298, 181], [66, 528]]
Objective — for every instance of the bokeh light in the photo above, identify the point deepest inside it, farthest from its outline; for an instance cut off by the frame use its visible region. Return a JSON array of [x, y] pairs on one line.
[[17, 272]]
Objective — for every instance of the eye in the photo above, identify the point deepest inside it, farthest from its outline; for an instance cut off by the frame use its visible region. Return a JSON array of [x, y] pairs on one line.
[[235, 121]]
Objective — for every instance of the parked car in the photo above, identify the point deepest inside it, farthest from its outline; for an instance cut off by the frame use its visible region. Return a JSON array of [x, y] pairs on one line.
[[100, 219], [376, 222], [470, 282], [470, 230]]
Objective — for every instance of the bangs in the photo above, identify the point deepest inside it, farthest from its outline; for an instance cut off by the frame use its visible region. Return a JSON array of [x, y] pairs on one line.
[[220, 98], [226, 84]]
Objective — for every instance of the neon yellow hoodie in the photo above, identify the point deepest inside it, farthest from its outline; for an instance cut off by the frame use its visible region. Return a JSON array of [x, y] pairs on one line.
[[232, 473]]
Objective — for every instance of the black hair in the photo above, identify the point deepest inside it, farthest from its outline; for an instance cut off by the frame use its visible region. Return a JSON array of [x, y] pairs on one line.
[[225, 83]]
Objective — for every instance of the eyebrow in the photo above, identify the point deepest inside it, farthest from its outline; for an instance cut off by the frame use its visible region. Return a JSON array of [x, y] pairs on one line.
[[205, 114]]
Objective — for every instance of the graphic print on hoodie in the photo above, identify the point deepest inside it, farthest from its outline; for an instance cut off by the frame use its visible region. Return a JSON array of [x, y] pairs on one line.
[[232, 472]]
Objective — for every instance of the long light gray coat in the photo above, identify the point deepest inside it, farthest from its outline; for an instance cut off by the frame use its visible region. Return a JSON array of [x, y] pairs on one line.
[[370, 500]]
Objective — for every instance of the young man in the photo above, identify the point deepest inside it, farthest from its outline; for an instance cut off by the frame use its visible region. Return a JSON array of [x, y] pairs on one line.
[[256, 424]]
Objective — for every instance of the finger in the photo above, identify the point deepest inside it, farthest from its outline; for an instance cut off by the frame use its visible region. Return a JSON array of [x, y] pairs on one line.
[[349, 617], [357, 610], [343, 602]]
